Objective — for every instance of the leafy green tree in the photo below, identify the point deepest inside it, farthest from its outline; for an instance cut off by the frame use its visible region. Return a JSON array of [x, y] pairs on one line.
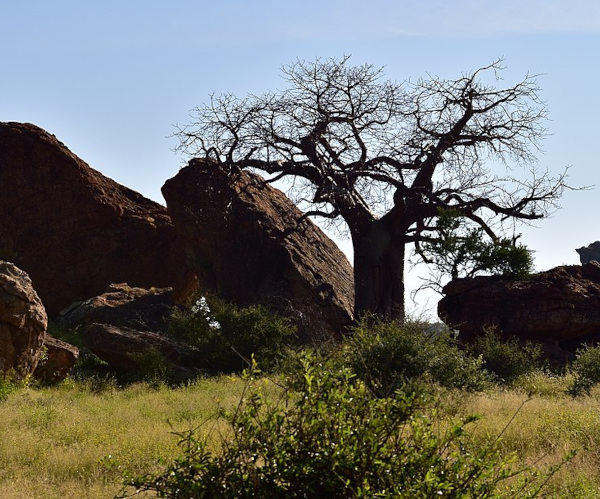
[[461, 250]]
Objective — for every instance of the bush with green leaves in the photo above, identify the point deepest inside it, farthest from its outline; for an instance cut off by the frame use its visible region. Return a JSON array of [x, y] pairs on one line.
[[332, 437], [389, 356], [229, 335], [506, 359], [586, 371], [461, 250]]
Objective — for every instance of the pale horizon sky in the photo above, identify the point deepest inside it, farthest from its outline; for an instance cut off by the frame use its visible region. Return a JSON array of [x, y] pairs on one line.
[[110, 79]]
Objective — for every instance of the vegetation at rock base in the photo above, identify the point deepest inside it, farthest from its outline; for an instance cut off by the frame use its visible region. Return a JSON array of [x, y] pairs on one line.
[[389, 357], [229, 335], [506, 359], [86, 437], [586, 370]]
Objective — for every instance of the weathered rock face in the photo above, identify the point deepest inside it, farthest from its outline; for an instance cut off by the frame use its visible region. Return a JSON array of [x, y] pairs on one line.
[[589, 253], [124, 349], [249, 244], [23, 321], [122, 305], [75, 231], [560, 306], [60, 359]]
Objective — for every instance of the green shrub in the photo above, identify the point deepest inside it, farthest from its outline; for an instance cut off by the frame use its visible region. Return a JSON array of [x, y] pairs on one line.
[[586, 370], [462, 250], [506, 359], [66, 334], [389, 356], [332, 437], [7, 386], [151, 367], [227, 334]]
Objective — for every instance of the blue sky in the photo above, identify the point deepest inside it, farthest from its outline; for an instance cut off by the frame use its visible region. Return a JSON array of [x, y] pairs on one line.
[[111, 78]]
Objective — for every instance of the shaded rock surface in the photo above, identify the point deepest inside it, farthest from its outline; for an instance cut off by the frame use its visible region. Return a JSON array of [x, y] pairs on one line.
[[589, 252], [560, 306], [60, 359], [125, 349], [75, 231], [23, 321], [249, 244], [122, 305]]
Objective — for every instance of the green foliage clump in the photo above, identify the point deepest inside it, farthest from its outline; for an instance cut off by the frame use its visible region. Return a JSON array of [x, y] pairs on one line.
[[151, 367], [390, 356], [66, 334], [332, 437], [227, 334], [506, 359], [586, 370], [7, 386], [462, 251]]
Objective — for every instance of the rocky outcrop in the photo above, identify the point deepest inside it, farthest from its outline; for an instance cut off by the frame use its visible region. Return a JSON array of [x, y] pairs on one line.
[[250, 244], [122, 305], [589, 253], [60, 357], [128, 350], [23, 321], [75, 231], [559, 307]]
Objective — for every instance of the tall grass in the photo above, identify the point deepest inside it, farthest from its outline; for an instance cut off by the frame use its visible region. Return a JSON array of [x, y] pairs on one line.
[[542, 429], [74, 441], [79, 438]]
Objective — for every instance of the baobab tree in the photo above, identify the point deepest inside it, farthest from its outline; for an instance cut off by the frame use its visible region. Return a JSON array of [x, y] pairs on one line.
[[388, 157]]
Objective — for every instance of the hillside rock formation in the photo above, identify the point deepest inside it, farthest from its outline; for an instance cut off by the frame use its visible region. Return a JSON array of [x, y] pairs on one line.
[[560, 307], [249, 244], [59, 361], [122, 305], [75, 231], [126, 350], [23, 321], [589, 253]]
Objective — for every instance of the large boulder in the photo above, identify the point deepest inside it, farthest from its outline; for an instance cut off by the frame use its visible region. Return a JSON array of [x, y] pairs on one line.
[[23, 321], [60, 358], [589, 253], [127, 350], [560, 307], [75, 231], [250, 244], [122, 305]]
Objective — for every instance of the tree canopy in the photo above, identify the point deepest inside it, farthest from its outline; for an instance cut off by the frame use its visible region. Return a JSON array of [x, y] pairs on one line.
[[389, 157]]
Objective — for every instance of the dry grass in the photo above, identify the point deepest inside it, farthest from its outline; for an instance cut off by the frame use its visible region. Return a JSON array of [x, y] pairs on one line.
[[72, 442], [69, 442], [541, 430]]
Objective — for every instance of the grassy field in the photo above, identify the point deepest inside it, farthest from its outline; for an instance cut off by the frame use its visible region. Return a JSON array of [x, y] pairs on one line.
[[541, 429], [76, 440]]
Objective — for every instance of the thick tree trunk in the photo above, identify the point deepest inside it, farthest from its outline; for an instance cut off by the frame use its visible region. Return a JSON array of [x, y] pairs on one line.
[[379, 272]]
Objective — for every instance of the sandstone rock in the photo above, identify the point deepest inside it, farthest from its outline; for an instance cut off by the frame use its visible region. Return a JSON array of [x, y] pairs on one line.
[[249, 244], [559, 307], [60, 359], [75, 231], [122, 305], [589, 253], [23, 321], [124, 348]]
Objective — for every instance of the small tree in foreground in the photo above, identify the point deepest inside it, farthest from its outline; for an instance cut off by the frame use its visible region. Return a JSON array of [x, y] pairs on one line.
[[332, 437], [386, 157]]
